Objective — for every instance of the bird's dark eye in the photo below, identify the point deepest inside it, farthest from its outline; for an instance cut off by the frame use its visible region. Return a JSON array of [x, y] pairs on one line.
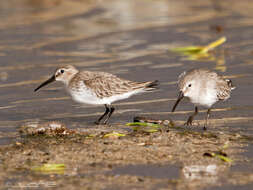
[[62, 71], [189, 85]]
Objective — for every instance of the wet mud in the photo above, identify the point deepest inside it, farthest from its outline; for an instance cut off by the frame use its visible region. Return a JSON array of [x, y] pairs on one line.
[[175, 157]]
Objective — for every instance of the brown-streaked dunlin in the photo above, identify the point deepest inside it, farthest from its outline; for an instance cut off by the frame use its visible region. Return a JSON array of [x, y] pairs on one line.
[[98, 87], [204, 88]]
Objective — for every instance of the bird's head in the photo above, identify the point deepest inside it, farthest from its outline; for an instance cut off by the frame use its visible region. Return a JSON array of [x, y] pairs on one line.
[[187, 88], [63, 74]]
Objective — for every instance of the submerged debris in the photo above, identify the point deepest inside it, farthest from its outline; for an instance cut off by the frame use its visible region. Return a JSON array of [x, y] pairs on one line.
[[217, 28], [51, 128], [206, 173]]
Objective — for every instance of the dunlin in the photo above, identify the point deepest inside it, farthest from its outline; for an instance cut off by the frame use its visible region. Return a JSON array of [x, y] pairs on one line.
[[203, 88], [98, 87]]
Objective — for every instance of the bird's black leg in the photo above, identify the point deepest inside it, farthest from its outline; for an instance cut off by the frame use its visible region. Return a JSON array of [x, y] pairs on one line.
[[207, 117], [110, 114], [190, 119], [107, 110]]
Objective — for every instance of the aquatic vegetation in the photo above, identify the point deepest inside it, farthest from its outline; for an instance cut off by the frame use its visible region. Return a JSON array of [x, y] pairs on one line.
[[114, 135], [145, 127], [199, 52], [221, 155], [50, 168]]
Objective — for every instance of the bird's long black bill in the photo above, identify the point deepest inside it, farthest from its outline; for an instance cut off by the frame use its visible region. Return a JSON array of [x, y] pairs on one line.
[[52, 79], [180, 97]]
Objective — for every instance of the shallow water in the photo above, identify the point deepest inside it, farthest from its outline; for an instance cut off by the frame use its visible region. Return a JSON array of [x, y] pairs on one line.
[[127, 38], [168, 172]]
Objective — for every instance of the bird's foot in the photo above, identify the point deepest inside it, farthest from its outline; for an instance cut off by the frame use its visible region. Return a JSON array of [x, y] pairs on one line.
[[100, 123], [189, 121], [105, 123], [96, 122]]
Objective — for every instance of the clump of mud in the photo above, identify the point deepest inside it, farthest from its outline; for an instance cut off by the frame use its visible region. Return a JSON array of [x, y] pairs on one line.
[[52, 128]]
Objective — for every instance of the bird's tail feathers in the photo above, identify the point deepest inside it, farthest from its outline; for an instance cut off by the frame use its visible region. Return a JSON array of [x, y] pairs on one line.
[[232, 87], [150, 86]]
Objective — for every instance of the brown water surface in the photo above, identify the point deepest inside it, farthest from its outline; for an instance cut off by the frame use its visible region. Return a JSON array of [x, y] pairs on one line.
[[131, 39]]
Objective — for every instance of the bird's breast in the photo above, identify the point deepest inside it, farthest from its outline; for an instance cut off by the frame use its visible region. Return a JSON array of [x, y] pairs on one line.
[[84, 95], [204, 98]]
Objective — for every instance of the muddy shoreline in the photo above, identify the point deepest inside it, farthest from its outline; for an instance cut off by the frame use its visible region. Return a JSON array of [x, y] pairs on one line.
[[175, 157]]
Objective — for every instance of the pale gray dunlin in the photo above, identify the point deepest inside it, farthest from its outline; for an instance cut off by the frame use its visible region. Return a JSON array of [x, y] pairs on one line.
[[203, 88], [98, 87]]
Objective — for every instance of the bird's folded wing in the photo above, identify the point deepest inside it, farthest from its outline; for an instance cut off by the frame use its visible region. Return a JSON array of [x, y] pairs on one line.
[[223, 91], [109, 85]]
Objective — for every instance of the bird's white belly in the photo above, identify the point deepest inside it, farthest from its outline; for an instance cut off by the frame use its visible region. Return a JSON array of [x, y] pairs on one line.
[[89, 97], [85, 97], [111, 99], [206, 99]]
